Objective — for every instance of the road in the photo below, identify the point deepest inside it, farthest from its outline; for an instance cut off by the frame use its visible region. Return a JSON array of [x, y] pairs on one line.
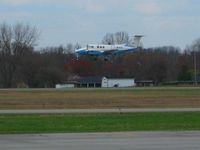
[[58, 111], [103, 141]]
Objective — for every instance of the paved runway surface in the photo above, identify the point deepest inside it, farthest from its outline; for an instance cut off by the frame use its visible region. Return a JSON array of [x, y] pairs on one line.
[[103, 141], [57, 111]]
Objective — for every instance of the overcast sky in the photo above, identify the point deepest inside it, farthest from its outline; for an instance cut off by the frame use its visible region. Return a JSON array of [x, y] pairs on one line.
[[163, 22]]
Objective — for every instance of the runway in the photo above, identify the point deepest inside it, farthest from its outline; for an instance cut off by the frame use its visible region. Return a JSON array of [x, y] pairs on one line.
[[115, 110], [103, 141]]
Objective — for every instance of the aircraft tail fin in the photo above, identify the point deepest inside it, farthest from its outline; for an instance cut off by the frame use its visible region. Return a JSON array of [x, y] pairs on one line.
[[137, 41]]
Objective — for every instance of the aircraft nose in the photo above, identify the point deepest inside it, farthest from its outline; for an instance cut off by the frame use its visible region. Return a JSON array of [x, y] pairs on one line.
[[77, 50]]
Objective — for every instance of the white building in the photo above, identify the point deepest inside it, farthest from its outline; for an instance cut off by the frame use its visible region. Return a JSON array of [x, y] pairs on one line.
[[68, 85], [117, 82], [99, 82]]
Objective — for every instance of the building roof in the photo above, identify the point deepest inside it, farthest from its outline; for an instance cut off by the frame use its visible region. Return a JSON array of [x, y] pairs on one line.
[[90, 79], [95, 79]]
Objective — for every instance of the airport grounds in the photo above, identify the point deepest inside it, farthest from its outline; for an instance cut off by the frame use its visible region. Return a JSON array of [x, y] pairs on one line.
[[112, 98]]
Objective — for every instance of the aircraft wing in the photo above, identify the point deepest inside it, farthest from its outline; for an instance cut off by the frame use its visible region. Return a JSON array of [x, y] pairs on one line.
[[118, 52], [109, 52]]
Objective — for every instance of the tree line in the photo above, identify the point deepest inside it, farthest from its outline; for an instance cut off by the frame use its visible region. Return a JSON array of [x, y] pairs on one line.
[[21, 65]]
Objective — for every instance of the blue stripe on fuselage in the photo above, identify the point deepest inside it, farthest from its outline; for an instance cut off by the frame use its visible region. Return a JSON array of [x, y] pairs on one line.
[[98, 53], [93, 53]]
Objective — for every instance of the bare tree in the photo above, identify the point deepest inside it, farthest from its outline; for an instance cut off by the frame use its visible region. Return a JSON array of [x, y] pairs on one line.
[[7, 66], [15, 41], [24, 38], [69, 48], [195, 53], [195, 45], [108, 39], [5, 39], [77, 46], [121, 37]]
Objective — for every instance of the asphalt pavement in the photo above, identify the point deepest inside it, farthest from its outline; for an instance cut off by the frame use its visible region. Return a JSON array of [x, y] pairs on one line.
[[114, 110], [103, 141]]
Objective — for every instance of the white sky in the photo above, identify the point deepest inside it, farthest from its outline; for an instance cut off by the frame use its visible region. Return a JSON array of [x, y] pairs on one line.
[[163, 22]]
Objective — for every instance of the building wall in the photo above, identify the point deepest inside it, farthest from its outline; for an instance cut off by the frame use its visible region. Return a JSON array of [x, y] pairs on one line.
[[118, 82], [104, 82], [60, 86]]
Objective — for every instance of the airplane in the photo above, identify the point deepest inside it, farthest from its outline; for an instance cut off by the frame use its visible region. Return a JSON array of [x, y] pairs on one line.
[[105, 50]]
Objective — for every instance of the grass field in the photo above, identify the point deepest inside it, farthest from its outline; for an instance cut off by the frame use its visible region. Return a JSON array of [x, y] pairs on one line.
[[100, 98], [113, 122]]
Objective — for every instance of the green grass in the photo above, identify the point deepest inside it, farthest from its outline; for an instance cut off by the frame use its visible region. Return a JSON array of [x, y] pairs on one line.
[[112, 122]]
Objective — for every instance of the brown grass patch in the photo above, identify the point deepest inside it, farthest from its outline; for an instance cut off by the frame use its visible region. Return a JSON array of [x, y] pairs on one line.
[[100, 98]]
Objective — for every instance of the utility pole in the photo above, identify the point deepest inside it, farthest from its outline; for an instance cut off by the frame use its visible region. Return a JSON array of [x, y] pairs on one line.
[[195, 68]]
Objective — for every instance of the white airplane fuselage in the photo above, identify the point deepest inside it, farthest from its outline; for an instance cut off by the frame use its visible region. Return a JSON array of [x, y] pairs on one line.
[[98, 49], [103, 49]]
